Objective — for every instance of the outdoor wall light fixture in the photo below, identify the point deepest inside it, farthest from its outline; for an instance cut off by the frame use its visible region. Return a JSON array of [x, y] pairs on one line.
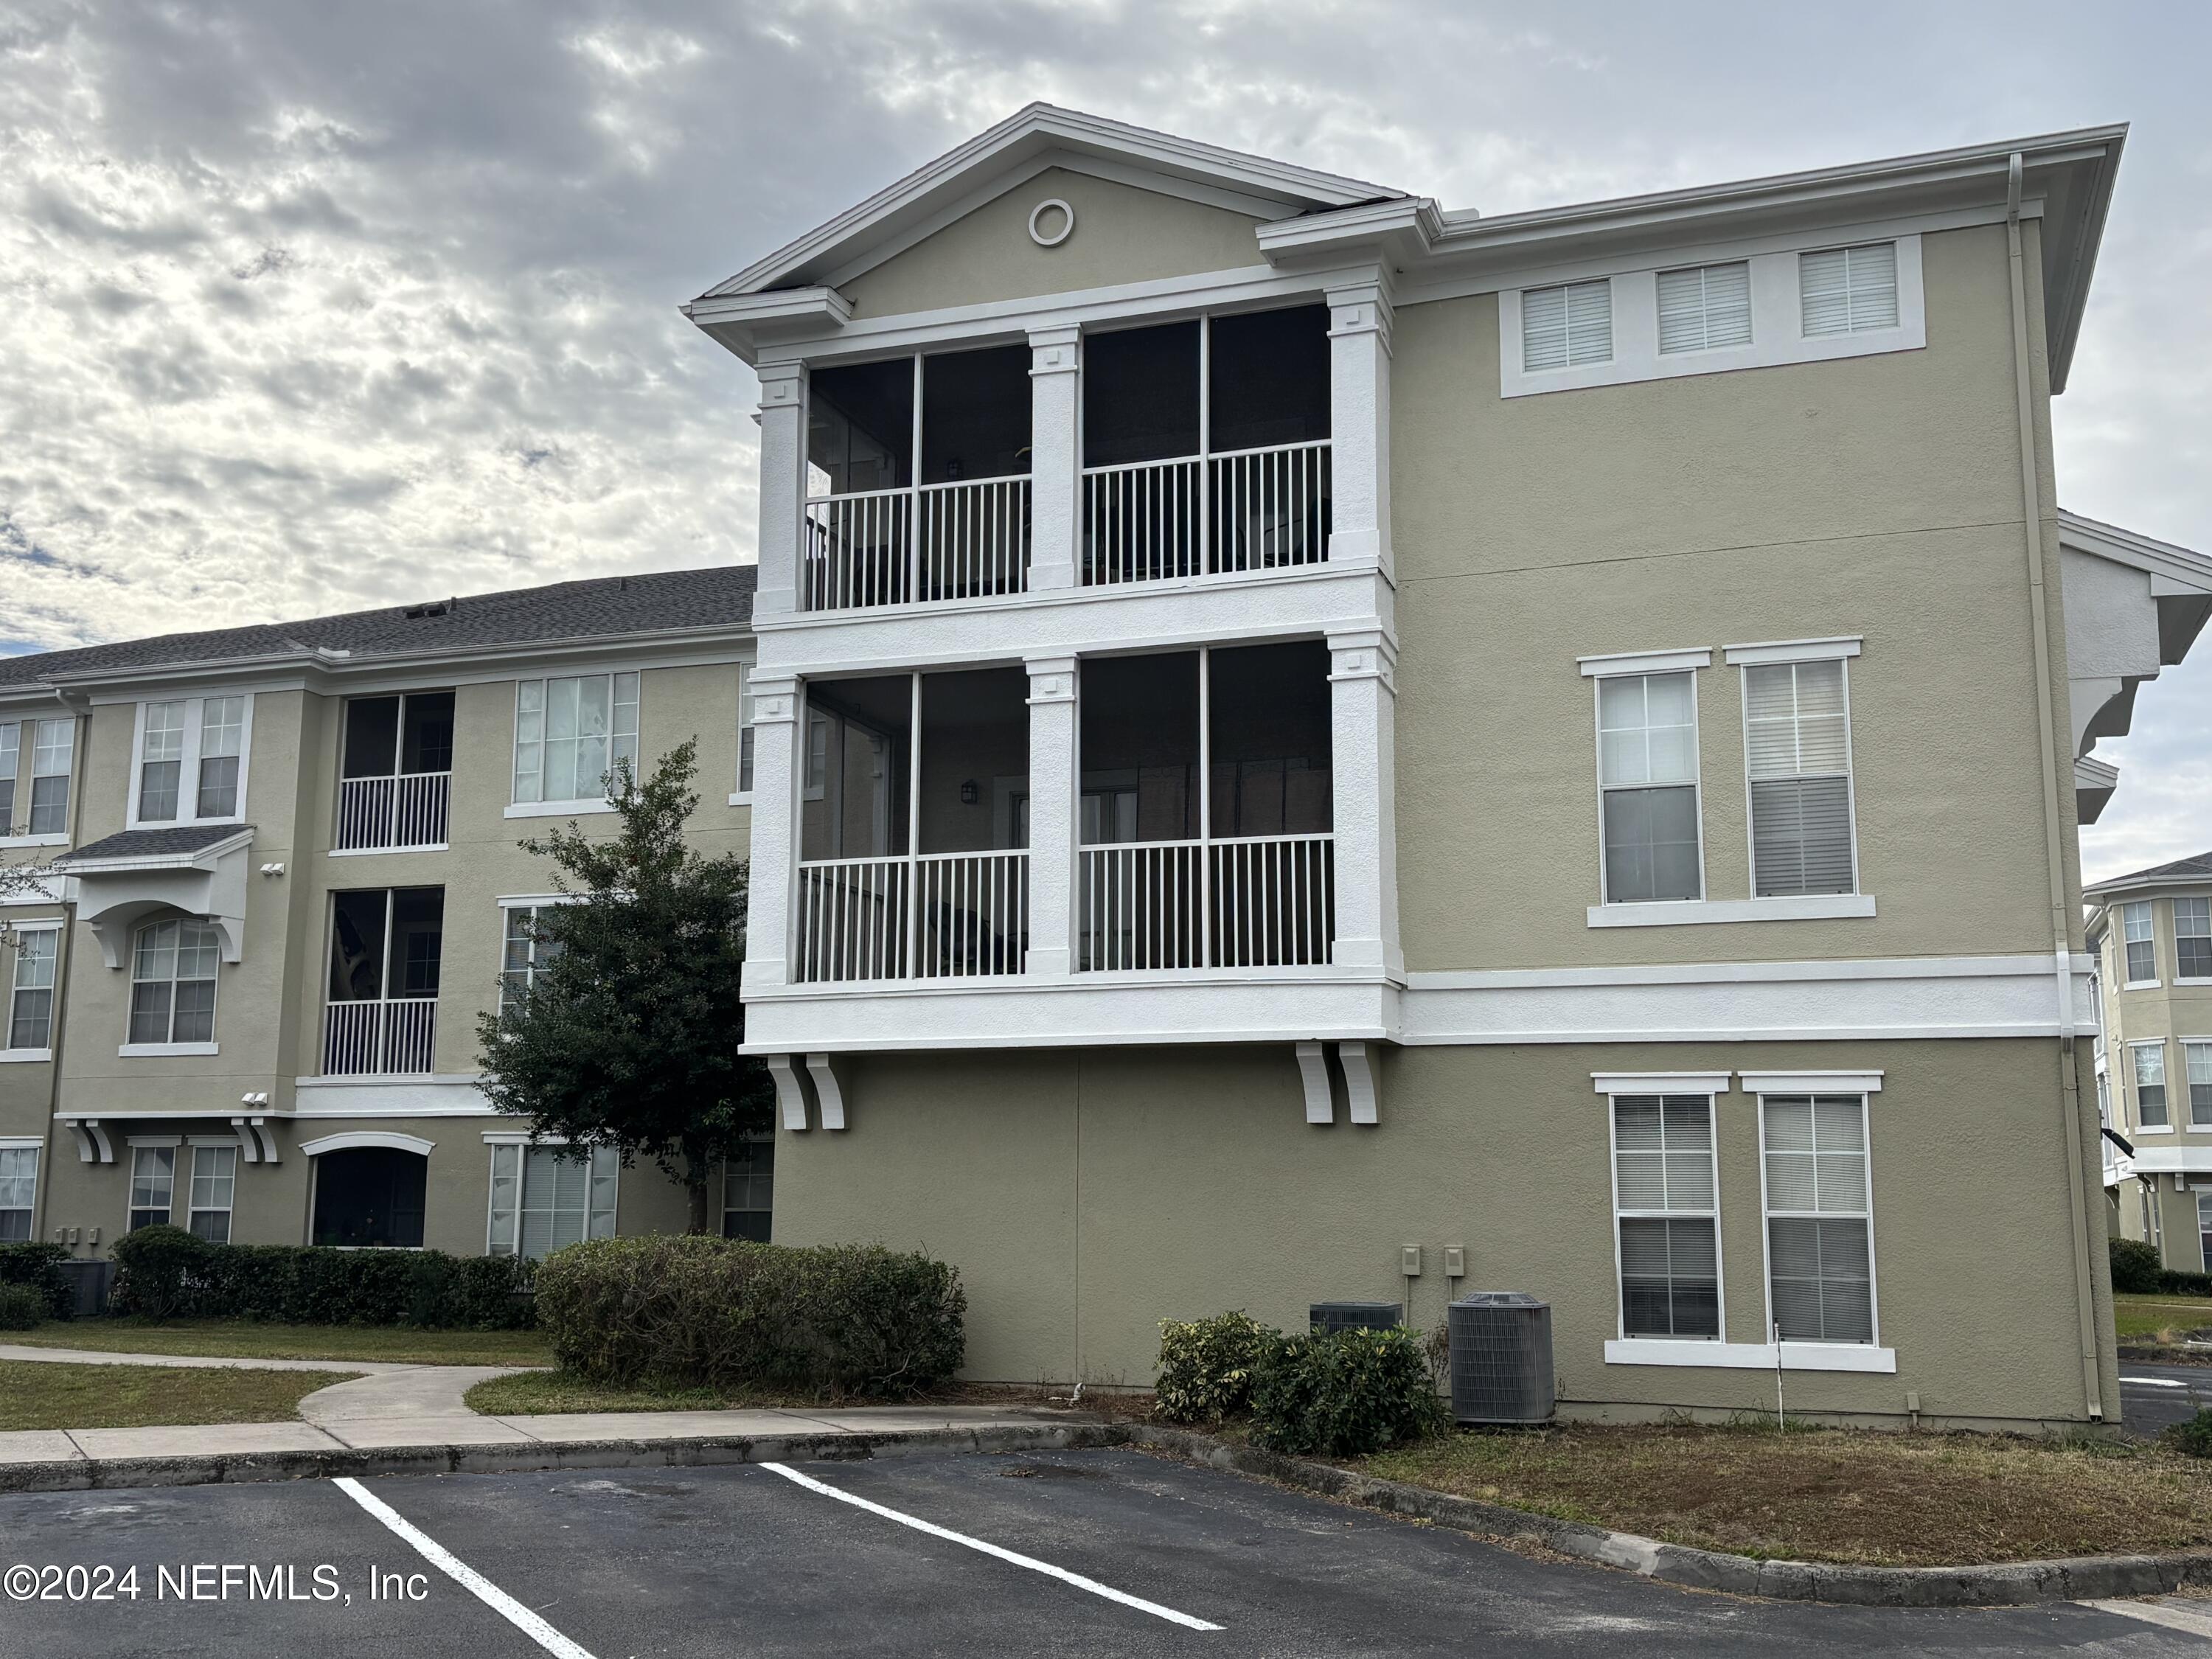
[[969, 794]]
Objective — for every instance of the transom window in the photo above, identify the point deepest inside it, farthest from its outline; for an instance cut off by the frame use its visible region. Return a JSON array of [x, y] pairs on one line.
[[1704, 307], [1665, 1204], [1798, 753], [18, 1192], [2148, 1060], [1820, 1222], [173, 972], [544, 1197], [214, 1181], [31, 1002], [1848, 290], [1647, 734], [191, 751], [2192, 938], [50, 743], [2135, 936], [153, 1185], [570, 732], [1567, 325]]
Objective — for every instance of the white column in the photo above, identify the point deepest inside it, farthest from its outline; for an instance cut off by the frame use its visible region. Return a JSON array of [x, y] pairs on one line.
[[1054, 793], [1359, 424], [1055, 460], [782, 486], [1362, 762], [775, 830]]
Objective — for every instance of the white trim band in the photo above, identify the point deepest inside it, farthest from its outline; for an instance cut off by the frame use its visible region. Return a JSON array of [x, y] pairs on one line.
[[1811, 1083], [1686, 913], [1753, 1356], [1661, 1083], [1774, 651], [1644, 662]]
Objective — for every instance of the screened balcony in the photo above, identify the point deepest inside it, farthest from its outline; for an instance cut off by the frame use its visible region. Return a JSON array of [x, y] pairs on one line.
[[1205, 446], [912, 855], [1205, 814], [396, 772], [381, 1018], [917, 480]]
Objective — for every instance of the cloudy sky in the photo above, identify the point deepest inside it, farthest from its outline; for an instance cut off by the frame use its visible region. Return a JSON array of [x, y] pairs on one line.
[[306, 307]]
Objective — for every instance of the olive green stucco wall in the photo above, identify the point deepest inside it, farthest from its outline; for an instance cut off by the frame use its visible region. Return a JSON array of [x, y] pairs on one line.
[[1087, 1195]]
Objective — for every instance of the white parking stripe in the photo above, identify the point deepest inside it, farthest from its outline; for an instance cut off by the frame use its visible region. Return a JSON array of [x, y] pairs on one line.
[[1030, 1562], [2158, 1381], [464, 1574], [2168, 1613]]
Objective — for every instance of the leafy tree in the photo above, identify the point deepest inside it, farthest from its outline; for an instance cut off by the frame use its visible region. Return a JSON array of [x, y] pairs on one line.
[[19, 883], [628, 1035]]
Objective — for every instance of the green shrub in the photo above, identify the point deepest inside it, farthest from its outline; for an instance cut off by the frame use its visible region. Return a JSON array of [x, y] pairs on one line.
[[1344, 1394], [2136, 1269], [2193, 1436], [158, 1271], [317, 1285], [680, 1311], [1207, 1366], [39, 1267], [23, 1307], [2175, 1282]]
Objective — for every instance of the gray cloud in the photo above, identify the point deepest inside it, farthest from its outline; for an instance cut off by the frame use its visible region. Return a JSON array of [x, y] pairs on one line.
[[305, 308]]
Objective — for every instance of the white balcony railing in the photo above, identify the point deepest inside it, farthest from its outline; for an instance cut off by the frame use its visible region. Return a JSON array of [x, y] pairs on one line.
[[396, 1036], [940, 915], [940, 541], [1257, 901], [401, 812], [1253, 509]]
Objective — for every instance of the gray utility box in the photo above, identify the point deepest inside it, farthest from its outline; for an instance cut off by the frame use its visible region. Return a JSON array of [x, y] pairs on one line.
[[89, 1283], [1329, 1318], [1501, 1357]]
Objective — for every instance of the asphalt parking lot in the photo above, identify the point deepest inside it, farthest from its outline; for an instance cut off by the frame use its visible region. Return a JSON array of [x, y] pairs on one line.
[[1116, 1553], [2153, 1396]]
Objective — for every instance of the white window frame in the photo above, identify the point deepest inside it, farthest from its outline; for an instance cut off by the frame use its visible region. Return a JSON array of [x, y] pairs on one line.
[[499, 1140], [565, 808], [1597, 670], [44, 929], [2180, 978], [11, 774], [1566, 292], [741, 794], [32, 1145], [1792, 653], [2149, 913], [1855, 246], [131, 1049], [724, 1210], [214, 1149], [2193, 1049], [507, 905], [188, 769], [1777, 323], [1704, 274], [30, 733], [139, 1146], [1790, 1086], [1709, 1089], [2135, 1086]]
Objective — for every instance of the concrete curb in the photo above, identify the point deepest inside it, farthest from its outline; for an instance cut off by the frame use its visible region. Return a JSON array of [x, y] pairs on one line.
[[106, 1474], [2092, 1577]]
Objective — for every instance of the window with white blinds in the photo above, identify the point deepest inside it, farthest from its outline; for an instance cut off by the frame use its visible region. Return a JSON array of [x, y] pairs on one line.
[[1704, 307], [1665, 1204], [1820, 1218], [2196, 1061], [1848, 290], [1647, 736], [2148, 1061], [1798, 753], [1568, 325], [2192, 938], [2135, 939]]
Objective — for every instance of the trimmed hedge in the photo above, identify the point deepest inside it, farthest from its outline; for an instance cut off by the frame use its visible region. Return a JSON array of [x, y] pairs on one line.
[[38, 1267], [23, 1308], [1345, 1393], [167, 1271], [1206, 1366], [684, 1310], [2136, 1270]]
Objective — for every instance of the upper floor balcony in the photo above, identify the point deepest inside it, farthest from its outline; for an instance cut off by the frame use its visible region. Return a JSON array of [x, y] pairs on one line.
[[1199, 447], [395, 773]]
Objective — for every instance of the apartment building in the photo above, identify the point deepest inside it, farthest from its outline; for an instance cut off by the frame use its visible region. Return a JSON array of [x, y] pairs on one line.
[[1311, 745], [2151, 935], [283, 880]]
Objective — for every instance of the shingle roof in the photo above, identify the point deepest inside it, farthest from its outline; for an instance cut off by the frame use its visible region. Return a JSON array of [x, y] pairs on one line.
[[154, 843], [719, 596], [2198, 867]]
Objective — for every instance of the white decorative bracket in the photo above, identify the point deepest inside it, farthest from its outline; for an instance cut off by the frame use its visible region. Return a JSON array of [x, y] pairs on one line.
[[826, 1091], [1359, 1080], [1313, 1072], [93, 1145], [790, 1095]]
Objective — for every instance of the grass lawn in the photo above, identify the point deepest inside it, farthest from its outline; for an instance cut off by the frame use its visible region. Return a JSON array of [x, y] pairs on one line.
[[2161, 1318], [245, 1339], [1870, 1495], [36, 1394]]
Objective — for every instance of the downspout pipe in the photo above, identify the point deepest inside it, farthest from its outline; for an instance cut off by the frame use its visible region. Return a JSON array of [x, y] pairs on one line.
[[2030, 495]]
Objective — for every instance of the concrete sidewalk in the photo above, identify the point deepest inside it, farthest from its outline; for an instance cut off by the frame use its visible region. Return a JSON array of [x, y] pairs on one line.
[[390, 1408]]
